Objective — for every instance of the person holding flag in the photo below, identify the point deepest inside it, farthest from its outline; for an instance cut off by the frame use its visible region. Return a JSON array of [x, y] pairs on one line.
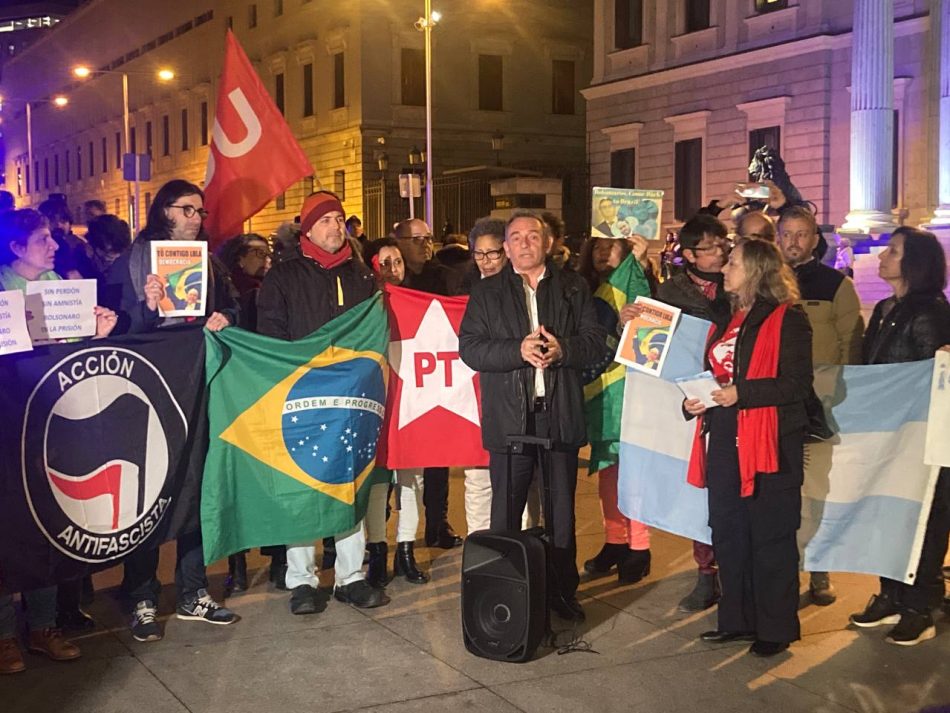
[[313, 283], [615, 268]]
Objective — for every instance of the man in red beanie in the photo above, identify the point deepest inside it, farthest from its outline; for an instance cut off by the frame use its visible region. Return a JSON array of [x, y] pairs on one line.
[[312, 283]]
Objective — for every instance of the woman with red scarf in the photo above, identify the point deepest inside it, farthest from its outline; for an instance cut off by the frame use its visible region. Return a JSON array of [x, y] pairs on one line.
[[752, 462]]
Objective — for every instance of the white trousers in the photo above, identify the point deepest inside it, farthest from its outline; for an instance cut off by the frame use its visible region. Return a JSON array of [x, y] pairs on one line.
[[478, 501], [409, 488], [349, 560]]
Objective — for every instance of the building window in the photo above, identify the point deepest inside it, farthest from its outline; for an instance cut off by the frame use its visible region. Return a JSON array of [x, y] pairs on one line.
[[166, 145], [896, 162], [148, 201], [92, 162], [770, 5], [118, 150], [65, 167], [339, 184], [46, 174], [490, 82], [148, 138], [562, 87], [628, 23], [623, 168], [19, 178], [36, 168], [279, 92], [339, 83], [413, 72], [184, 129], [105, 154], [278, 8], [308, 90], [697, 15], [281, 202], [117, 206], [688, 178], [252, 16], [56, 170], [770, 136], [230, 23], [132, 141], [204, 123]]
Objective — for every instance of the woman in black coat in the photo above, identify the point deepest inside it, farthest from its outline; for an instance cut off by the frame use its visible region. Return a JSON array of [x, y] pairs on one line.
[[753, 468], [911, 325]]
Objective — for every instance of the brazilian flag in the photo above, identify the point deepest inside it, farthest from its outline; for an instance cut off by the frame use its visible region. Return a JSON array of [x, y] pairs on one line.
[[603, 396], [293, 429], [183, 281]]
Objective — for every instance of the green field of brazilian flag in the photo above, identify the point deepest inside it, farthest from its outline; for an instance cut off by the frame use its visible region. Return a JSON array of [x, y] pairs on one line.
[[293, 431]]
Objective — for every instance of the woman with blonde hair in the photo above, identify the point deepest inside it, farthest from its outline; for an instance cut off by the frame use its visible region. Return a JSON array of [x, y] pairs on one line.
[[752, 462]]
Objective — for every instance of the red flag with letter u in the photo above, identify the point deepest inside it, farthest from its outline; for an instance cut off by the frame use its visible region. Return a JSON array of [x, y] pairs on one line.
[[433, 412], [254, 156]]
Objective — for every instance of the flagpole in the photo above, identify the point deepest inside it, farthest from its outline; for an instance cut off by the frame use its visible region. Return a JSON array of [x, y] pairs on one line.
[[428, 38]]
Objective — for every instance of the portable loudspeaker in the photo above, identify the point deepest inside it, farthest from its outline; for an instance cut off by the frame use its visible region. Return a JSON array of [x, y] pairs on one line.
[[504, 604]]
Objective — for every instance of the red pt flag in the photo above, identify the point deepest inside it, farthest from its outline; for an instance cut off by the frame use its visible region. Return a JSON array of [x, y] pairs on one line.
[[254, 156], [433, 406]]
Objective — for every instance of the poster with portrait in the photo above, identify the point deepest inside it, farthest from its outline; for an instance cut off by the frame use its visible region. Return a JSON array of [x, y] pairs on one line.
[[622, 212], [183, 267], [643, 344]]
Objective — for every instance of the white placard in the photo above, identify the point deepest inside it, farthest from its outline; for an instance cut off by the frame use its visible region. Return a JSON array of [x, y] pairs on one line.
[[14, 336], [60, 309], [700, 387]]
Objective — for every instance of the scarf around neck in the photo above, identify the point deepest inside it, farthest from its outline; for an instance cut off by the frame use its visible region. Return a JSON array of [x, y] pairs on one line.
[[323, 258]]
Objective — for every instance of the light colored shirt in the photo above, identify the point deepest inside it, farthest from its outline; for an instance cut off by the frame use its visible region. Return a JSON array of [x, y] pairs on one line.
[[531, 299]]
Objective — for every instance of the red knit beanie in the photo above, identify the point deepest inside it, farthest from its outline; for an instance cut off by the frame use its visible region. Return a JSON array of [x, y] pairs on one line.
[[315, 207]]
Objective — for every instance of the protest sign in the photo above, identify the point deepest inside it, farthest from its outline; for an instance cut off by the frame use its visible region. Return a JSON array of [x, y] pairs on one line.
[[183, 266], [14, 335], [643, 344], [624, 212], [60, 309]]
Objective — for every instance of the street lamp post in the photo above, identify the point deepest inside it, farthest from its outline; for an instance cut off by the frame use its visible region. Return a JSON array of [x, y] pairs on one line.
[[426, 23], [164, 75], [59, 101]]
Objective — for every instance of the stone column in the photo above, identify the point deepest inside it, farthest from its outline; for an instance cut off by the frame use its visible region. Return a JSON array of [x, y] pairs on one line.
[[941, 10], [872, 117]]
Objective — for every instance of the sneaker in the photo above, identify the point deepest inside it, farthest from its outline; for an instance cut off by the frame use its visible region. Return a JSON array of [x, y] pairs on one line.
[[204, 608], [880, 610], [821, 590], [11, 660], [51, 643], [361, 594], [913, 627], [704, 595], [145, 622]]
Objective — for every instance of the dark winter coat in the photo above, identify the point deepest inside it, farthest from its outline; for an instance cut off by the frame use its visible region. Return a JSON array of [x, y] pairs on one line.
[[907, 329]]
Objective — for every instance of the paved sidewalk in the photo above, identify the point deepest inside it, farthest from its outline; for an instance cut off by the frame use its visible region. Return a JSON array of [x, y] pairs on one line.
[[408, 656]]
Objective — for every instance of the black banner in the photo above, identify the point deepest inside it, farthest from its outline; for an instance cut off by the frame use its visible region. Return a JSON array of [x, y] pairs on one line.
[[103, 446]]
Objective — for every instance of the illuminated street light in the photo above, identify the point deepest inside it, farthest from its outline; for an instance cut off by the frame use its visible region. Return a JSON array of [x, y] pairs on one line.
[[82, 71], [166, 75], [60, 101]]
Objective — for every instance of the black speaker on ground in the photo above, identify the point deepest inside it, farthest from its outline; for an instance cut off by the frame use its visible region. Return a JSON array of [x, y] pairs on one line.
[[504, 598]]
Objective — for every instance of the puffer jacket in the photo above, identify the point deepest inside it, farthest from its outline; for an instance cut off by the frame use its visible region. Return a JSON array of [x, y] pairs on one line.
[[496, 322], [908, 329]]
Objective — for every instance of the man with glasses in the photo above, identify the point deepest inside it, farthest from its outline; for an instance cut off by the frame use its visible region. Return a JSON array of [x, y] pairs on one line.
[[698, 291], [426, 274], [529, 331], [831, 302]]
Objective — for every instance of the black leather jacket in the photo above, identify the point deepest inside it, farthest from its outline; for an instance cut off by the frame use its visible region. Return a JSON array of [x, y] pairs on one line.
[[907, 329], [495, 323]]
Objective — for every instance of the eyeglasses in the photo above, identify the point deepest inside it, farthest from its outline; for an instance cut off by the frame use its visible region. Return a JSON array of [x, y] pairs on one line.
[[417, 238], [390, 263], [262, 253], [487, 255], [189, 210]]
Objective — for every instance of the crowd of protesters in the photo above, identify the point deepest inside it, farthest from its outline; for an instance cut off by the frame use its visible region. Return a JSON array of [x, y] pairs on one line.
[[533, 332]]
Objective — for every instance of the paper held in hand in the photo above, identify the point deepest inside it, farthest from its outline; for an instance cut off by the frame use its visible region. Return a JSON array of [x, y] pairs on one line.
[[60, 309], [700, 387], [625, 212], [14, 335], [183, 266], [643, 344]]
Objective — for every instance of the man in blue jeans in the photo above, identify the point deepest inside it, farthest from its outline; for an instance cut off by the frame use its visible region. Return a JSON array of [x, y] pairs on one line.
[[44, 638]]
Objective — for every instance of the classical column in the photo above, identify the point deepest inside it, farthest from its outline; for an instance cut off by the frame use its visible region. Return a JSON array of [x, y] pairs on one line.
[[872, 117], [941, 216]]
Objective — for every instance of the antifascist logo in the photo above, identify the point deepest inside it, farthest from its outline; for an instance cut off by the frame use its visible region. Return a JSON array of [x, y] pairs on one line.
[[98, 440]]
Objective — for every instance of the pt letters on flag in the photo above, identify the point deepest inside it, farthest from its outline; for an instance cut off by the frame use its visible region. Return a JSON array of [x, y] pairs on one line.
[[103, 448], [254, 156], [294, 428], [434, 408]]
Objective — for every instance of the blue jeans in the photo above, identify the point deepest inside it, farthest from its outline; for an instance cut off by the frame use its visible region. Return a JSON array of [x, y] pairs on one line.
[[40, 611]]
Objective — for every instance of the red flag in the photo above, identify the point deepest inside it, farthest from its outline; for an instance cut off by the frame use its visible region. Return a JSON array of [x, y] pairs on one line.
[[254, 156], [433, 406]]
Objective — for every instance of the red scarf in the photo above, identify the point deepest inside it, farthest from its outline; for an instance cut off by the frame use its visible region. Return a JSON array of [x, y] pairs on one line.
[[324, 259], [758, 427]]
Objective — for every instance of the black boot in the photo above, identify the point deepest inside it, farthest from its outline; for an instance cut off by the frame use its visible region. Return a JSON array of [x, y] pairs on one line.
[[635, 566], [237, 573], [404, 564], [376, 574], [610, 555], [278, 570]]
